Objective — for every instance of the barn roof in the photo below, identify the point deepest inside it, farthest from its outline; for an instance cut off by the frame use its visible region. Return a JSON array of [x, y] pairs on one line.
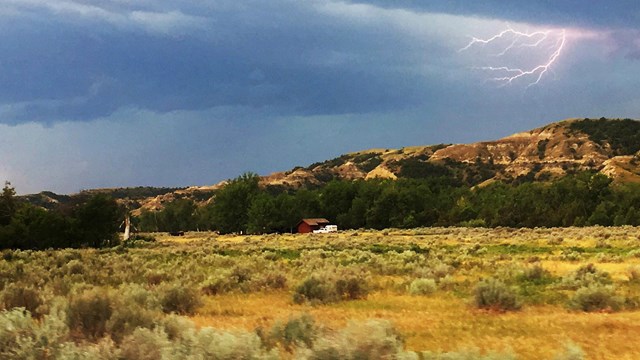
[[315, 221]]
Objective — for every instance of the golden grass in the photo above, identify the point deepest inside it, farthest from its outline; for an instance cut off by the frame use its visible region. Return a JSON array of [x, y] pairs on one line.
[[445, 323]]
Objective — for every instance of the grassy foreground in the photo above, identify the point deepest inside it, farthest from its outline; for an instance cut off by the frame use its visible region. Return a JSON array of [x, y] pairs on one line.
[[436, 293]]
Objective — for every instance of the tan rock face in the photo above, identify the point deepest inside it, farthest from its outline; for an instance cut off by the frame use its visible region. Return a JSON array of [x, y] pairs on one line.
[[554, 150], [380, 172]]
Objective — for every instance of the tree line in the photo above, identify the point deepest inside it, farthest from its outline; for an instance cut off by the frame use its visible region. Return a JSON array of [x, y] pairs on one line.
[[94, 222], [243, 206]]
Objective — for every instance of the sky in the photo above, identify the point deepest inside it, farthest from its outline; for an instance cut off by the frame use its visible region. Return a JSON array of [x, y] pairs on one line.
[[115, 93]]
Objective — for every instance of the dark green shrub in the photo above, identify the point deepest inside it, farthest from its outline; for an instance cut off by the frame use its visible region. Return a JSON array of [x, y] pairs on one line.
[[143, 237], [536, 275], [332, 287], [596, 298], [351, 288], [493, 294], [180, 299], [315, 290], [89, 312]]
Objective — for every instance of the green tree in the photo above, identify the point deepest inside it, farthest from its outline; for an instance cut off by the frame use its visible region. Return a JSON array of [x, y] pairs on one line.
[[601, 215], [336, 198], [230, 208], [262, 215], [148, 221], [8, 203], [178, 215], [95, 223], [36, 228], [308, 204]]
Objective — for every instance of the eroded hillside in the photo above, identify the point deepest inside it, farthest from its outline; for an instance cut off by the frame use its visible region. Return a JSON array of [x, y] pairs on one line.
[[546, 153], [555, 150]]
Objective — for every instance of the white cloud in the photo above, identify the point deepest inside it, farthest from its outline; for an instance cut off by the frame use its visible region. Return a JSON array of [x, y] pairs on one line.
[[124, 15], [421, 25], [167, 23]]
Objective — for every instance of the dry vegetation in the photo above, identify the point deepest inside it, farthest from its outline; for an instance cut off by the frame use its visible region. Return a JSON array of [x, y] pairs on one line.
[[433, 293]]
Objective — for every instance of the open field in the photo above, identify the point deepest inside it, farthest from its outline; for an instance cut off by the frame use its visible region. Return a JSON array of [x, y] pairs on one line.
[[434, 293]]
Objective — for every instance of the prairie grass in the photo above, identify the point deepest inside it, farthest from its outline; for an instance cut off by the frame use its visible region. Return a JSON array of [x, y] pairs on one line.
[[578, 288], [444, 323]]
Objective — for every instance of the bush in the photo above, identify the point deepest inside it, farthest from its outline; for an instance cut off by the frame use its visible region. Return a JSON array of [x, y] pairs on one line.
[[145, 344], [299, 331], [374, 339], [216, 284], [222, 345], [89, 312], [127, 317], [22, 337], [585, 276], [75, 267], [633, 274], [315, 290], [180, 299], [143, 237], [331, 288], [103, 350], [351, 288], [596, 298], [493, 294], [422, 287], [16, 334], [536, 275], [15, 295], [272, 280]]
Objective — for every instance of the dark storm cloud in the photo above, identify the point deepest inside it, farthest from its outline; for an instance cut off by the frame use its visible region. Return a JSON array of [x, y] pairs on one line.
[[173, 93], [606, 14], [72, 63]]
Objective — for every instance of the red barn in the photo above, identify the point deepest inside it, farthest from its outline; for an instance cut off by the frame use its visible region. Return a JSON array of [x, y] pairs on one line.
[[308, 225]]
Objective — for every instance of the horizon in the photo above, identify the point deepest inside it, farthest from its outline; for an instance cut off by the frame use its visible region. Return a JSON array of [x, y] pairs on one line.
[[186, 186], [106, 94]]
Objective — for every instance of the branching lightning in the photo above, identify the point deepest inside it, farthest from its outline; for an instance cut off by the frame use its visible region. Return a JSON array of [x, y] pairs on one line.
[[546, 44]]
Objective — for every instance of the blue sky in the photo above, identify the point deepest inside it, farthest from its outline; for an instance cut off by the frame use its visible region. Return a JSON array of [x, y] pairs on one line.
[[184, 92]]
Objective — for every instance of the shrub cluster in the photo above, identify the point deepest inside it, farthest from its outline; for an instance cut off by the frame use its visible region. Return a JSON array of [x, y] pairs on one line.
[[596, 297], [327, 288], [493, 294], [422, 287]]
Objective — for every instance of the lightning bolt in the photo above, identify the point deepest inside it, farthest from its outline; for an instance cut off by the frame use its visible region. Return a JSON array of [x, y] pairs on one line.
[[549, 43]]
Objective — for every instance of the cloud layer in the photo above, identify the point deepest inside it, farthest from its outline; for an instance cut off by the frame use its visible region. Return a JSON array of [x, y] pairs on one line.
[[117, 93]]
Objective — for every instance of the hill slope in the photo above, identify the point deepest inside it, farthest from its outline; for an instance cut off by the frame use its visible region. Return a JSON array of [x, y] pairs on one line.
[[611, 147], [555, 150]]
